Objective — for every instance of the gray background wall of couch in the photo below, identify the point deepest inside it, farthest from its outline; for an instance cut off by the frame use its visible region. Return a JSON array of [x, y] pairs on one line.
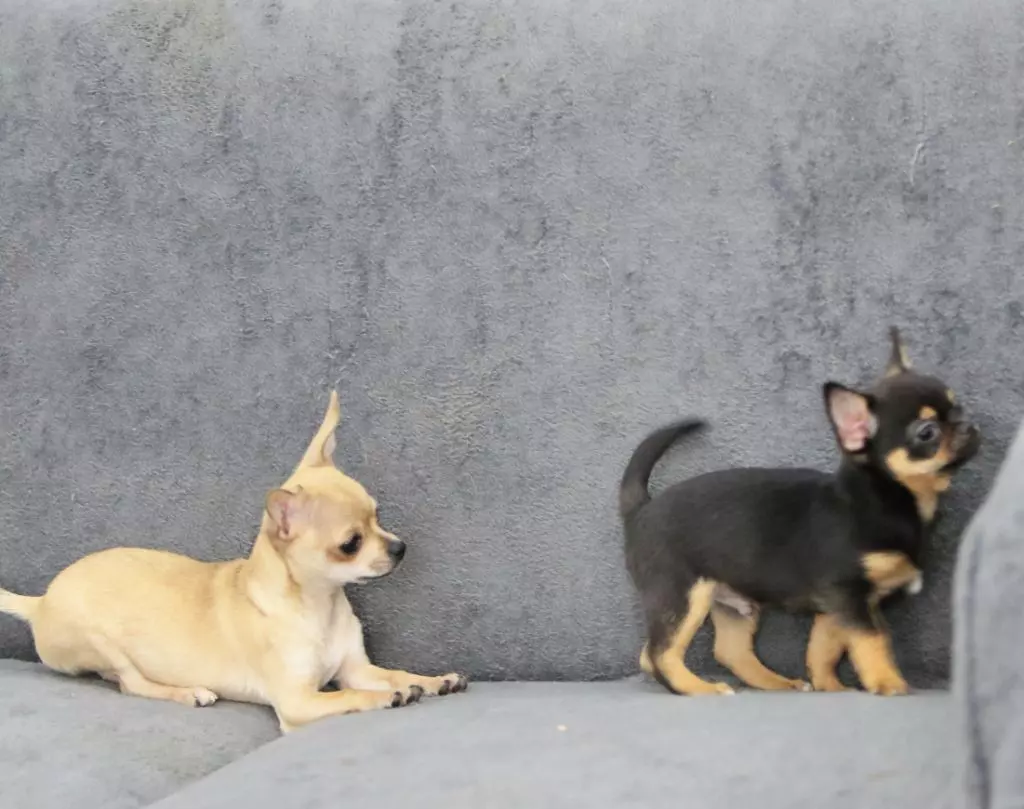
[[516, 236]]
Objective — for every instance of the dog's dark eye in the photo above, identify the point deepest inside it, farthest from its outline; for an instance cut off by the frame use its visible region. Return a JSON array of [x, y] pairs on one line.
[[927, 432], [352, 545]]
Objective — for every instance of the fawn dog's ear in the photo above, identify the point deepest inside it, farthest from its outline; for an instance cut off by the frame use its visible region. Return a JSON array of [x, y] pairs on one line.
[[320, 451], [288, 512]]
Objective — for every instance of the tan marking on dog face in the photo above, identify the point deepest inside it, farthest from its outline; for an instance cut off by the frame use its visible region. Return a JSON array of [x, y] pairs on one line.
[[926, 413], [950, 396], [923, 478]]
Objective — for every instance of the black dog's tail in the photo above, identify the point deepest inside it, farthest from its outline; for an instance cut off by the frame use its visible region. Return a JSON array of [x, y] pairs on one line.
[[633, 489]]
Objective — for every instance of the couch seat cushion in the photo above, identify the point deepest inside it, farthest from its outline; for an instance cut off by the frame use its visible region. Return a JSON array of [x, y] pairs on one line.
[[71, 743], [611, 744]]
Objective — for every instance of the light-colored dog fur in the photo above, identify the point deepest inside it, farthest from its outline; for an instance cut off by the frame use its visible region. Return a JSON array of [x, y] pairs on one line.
[[273, 628]]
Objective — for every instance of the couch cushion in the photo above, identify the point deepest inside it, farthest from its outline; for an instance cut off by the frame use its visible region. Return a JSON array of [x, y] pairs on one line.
[[613, 744], [73, 743]]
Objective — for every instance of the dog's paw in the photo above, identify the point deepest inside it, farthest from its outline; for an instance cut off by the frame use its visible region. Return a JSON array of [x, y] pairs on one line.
[[887, 685], [705, 689], [202, 697], [407, 696], [452, 684], [829, 684], [916, 585]]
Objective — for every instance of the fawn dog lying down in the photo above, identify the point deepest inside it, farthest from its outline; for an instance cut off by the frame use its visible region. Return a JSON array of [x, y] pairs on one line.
[[273, 628]]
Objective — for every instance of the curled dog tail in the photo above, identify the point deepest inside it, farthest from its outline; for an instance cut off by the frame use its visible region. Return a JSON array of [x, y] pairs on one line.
[[633, 489], [23, 607]]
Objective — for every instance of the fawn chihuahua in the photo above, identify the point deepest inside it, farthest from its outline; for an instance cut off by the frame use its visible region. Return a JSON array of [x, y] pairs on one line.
[[273, 628]]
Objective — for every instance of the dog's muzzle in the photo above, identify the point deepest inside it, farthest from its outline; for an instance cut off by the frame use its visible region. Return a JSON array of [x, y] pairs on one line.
[[965, 443]]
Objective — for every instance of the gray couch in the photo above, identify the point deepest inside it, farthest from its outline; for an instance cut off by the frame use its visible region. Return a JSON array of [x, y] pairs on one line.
[[515, 235]]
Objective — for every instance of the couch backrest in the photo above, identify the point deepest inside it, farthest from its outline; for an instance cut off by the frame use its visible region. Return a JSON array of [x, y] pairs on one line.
[[516, 236]]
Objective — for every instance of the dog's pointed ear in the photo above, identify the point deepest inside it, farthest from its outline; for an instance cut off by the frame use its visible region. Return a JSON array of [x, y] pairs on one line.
[[898, 363], [287, 511], [851, 415], [320, 451]]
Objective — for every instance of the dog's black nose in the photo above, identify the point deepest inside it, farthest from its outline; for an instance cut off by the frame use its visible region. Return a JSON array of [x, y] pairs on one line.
[[396, 549]]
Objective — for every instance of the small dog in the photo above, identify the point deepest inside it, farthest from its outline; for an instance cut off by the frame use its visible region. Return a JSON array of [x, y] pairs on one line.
[[729, 541], [272, 629]]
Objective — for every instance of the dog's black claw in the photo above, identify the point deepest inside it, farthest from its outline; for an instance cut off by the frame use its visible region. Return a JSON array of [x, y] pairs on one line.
[[415, 692], [462, 684], [396, 700], [445, 689]]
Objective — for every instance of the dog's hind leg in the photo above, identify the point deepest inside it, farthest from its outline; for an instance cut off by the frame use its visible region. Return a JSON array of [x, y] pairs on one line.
[[825, 648], [134, 683], [671, 637], [121, 670], [734, 649]]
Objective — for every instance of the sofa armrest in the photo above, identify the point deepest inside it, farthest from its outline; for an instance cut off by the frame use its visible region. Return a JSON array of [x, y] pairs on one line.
[[988, 659]]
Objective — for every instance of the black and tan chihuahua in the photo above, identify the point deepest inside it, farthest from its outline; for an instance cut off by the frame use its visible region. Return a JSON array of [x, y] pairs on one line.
[[731, 541]]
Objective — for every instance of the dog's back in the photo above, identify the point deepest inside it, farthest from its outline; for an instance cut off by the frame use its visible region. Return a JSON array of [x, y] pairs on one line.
[[768, 533], [172, 597]]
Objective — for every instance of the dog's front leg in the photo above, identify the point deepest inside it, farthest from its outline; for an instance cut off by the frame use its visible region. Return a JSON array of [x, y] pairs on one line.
[[871, 653], [357, 671], [867, 640], [299, 706]]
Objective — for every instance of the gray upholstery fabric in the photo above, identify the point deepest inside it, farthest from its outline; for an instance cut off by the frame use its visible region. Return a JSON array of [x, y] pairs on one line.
[[517, 235], [70, 743], [624, 745], [989, 660]]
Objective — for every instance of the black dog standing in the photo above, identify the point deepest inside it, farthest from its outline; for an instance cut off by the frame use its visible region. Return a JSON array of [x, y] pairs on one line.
[[731, 541]]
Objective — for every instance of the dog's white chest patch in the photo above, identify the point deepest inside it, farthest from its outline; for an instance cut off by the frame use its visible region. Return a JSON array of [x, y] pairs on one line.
[[344, 638]]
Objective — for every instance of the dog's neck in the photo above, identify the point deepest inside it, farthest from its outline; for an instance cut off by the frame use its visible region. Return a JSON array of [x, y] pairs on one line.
[[867, 484], [268, 580]]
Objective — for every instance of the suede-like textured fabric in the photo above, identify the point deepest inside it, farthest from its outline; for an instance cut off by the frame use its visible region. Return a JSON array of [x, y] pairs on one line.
[[69, 743], [517, 235], [989, 661], [625, 744]]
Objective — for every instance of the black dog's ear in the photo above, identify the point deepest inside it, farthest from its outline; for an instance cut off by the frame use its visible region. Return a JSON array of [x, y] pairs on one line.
[[851, 415], [898, 361]]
